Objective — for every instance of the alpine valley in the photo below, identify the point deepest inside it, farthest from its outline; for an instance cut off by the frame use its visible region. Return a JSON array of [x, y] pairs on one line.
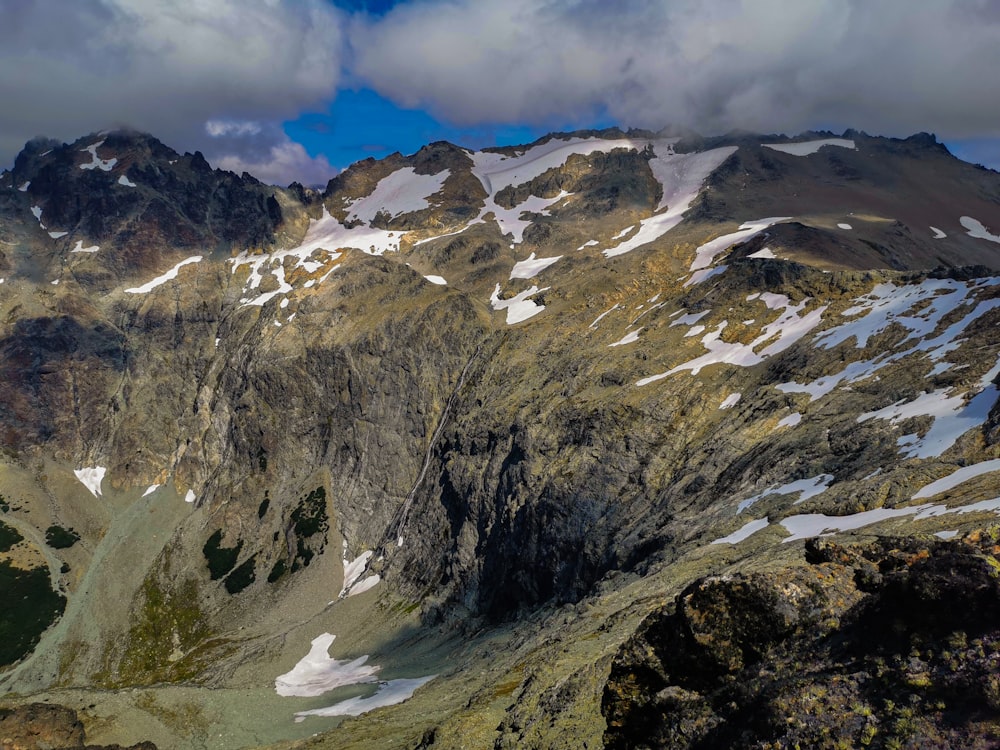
[[621, 440]]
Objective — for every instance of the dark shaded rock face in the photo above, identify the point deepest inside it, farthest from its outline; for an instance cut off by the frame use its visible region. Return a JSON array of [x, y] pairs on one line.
[[40, 726], [888, 645], [141, 202]]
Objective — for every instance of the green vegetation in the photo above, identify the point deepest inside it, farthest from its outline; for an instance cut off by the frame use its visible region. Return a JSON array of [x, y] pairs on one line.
[[8, 537], [38, 606], [309, 516], [4, 505], [277, 571], [242, 577], [59, 538], [220, 559], [167, 623], [265, 504], [309, 519]]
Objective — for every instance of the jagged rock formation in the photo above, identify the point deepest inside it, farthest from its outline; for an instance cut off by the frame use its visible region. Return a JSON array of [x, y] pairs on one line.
[[888, 644], [522, 394]]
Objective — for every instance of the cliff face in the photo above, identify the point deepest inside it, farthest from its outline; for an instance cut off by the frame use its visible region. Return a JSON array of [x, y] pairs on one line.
[[475, 387]]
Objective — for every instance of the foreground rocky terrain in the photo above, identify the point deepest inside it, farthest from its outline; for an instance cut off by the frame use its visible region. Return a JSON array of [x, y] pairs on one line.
[[544, 433]]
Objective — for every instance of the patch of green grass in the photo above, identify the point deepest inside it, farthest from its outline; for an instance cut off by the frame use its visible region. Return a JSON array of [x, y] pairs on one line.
[[242, 577], [30, 606], [277, 571], [59, 538], [8, 537], [220, 559], [309, 517], [166, 621]]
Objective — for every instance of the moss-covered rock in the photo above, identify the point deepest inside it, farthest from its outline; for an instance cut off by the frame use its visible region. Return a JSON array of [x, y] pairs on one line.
[[820, 656]]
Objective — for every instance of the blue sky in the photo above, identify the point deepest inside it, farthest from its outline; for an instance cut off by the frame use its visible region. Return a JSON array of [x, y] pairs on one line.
[[362, 124], [298, 89]]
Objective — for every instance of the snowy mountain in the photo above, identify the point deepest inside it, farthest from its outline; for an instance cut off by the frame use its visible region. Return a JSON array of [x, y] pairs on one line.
[[526, 447]]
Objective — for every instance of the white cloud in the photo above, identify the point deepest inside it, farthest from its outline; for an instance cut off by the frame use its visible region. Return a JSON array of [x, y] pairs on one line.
[[282, 164], [891, 66], [219, 128], [164, 66]]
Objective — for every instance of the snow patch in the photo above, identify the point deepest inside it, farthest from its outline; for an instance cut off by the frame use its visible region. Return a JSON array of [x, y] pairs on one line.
[[401, 192], [150, 490], [317, 673], [957, 477], [105, 165], [730, 401], [704, 274], [389, 694], [844, 226], [91, 478], [918, 308], [938, 234], [706, 253], [353, 570], [519, 307], [189, 497], [743, 532], [765, 253], [439, 280], [688, 318], [532, 266], [791, 325], [817, 524], [168, 276], [791, 420], [628, 338], [600, 317], [805, 488], [975, 228], [81, 249], [25, 186], [123, 180], [57, 235], [810, 147], [509, 219], [952, 416]]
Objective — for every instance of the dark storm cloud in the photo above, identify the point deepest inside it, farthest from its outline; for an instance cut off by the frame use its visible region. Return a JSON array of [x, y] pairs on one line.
[[886, 66], [166, 66]]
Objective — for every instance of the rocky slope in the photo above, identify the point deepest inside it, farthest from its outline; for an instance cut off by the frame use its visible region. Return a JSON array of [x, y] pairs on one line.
[[476, 414]]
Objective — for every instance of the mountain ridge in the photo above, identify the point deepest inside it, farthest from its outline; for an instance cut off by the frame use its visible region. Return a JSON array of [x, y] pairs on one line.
[[471, 399]]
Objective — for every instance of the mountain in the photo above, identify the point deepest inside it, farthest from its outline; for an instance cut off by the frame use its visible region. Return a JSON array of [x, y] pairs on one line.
[[538, 438]]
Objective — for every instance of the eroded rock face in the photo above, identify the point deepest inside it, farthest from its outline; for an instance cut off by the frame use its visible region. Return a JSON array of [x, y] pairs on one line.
[[890, 644], [42, 726]]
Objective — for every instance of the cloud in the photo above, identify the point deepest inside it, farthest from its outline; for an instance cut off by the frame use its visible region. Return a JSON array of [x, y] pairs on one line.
[[765, 65], [219, 128], [164, 66], [282, 164]]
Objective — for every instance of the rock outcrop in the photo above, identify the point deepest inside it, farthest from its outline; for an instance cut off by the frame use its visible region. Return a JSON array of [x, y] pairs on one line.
[[888, 644]]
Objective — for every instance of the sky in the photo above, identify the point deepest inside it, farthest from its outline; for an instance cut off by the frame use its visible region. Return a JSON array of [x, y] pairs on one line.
[[299, 89]]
